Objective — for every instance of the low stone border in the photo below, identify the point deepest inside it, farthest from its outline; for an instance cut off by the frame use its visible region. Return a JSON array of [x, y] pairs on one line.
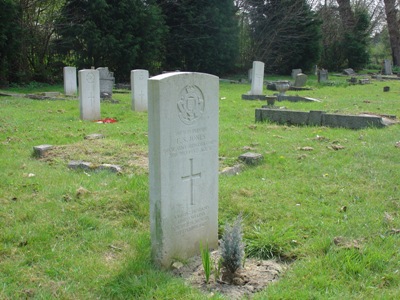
[[320, 118]]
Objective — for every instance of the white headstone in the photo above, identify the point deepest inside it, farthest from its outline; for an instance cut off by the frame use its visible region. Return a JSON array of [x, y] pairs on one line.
[[300, 80], [70, 81], [183, 164], [250, 74], [139, 86], [257, 78], [89, 94], [295, 72], [387, 70], [322, 75], [107, 81]]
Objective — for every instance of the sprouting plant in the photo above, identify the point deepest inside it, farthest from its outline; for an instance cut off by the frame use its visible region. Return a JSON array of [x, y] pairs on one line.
[[232, 247], [206, 260], [217, 269]]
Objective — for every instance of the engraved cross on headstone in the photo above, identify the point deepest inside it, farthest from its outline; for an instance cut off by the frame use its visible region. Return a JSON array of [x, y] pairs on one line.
[[141, 94], [191, 177]]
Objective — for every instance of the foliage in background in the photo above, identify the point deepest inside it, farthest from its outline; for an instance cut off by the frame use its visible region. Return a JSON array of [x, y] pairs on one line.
[[203, 35], [9, 41], [345, 42], [285, 34], [121, 35]]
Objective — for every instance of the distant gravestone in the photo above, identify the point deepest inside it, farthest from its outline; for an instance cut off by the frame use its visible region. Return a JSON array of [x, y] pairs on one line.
[[257, 78], [250, 74], [322, 75], [139, 86], [349, 72], [300, 80], [107, 81], [70, 81], [89, 94], [387, 67], [295, 72], [183, 164]]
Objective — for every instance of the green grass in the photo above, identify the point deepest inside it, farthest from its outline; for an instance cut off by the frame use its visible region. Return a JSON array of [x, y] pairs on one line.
[[76, 235]]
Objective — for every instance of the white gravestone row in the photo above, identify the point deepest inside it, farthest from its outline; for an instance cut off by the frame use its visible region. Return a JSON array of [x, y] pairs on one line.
[[257, 78], [183, 164], [89, 94], [70, 82], [139, 86]]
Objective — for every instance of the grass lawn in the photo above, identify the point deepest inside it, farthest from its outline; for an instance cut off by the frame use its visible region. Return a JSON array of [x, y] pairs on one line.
[[332, 214]]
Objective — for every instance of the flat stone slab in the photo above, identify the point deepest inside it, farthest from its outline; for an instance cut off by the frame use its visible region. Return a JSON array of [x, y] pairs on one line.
[[94, 136], [88, 166], [41, 150], [253, 97], [231, 171], [320, 118], [296, 98], [251, 158]]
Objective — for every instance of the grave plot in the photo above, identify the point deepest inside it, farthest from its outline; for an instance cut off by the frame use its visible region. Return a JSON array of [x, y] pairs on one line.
[[93, 154]]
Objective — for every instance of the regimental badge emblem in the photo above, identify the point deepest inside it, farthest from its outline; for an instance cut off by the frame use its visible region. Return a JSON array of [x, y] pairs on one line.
[[190, 104], [90, 78]]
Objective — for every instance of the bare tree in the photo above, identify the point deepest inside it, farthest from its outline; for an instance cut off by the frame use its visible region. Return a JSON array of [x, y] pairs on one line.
[[393, 28]]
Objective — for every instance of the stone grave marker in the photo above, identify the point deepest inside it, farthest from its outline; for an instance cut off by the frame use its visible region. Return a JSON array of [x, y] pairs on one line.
[[89, 94], [300, 80], [70, 81], [257, 78], [139, 86], [183, 164], [349, 72], [107, 81], [322, 75], [295, 72], [250, 74], [387, 67]]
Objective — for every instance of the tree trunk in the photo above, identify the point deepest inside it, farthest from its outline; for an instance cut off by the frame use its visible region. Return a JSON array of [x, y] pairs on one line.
[[346, 14], [394, 32]]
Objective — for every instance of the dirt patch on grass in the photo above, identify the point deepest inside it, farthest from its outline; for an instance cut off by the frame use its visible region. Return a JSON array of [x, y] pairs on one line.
[[256, 275], [131, 158]]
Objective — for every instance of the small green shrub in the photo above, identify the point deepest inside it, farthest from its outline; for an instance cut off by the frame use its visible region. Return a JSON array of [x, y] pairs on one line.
[[232, 246]]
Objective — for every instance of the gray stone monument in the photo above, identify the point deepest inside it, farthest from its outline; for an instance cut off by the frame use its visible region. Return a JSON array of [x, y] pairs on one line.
[[295, 72], [107, 81], [387, 67], [250, 74], [89, 94], [70, 81], [322, 75], [257, 78], [183, 164], [300, 80], [139, 86]]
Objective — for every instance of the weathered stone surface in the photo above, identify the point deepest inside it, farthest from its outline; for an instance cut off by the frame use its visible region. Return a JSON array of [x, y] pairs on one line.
[[89, 94], [70, 81], [41, 150], [251, 158], [183, 164], [300, 80], [319, 118], [94, 136], [231, 171], [139, 84]]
